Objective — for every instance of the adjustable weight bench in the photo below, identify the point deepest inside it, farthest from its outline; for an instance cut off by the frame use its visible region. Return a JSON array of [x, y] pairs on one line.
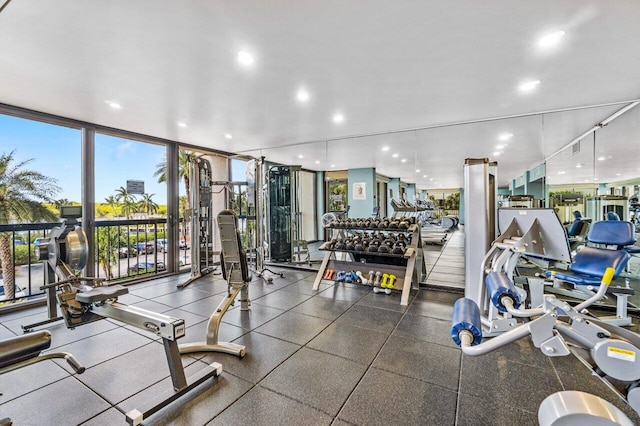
[[236, 271]]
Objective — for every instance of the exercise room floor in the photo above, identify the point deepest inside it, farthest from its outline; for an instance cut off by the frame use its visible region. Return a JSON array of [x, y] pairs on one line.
[[341, 355]]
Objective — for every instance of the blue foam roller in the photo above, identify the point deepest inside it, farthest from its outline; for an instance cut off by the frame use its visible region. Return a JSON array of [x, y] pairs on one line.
[[466, 316], [498, 285]]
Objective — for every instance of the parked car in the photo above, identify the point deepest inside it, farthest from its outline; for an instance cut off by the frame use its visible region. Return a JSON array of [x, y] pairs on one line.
[[145, 248], [38, 241], [18, 291], [124, 252], [162, 246], [18, 241], [147, 267]]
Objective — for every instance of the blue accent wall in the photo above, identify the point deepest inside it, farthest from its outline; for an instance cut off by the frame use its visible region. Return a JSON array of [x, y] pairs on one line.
[[411, 193], [361, 208], [394, 186]]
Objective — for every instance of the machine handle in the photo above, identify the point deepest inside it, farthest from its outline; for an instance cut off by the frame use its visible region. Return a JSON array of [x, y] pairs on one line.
[[608, 276], [75, 364]]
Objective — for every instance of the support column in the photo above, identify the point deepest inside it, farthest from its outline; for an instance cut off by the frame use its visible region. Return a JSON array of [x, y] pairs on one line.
[[88, 195], [173, 207], [393, 188], [476, 219]]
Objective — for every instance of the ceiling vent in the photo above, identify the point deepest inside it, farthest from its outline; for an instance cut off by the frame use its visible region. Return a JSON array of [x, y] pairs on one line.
[[575, 149]]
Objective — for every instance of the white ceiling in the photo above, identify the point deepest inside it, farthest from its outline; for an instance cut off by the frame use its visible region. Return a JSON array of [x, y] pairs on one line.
[[386, 66]]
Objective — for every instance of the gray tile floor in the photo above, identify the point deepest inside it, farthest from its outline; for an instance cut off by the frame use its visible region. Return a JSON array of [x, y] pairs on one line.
[[341, 355]]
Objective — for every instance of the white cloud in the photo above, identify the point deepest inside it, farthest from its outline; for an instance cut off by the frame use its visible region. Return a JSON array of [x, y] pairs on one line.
[[123, 148]]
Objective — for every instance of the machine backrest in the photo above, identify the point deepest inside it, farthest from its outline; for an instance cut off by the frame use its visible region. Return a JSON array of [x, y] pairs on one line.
[[612, 232], [578, 227], [233, 258], [612, 216]]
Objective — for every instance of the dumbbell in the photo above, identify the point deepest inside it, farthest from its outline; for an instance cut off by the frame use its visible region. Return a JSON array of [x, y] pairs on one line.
[[391, 281], [361, 278], [341, 276], [328, 274], [385, 279], [371, 276]]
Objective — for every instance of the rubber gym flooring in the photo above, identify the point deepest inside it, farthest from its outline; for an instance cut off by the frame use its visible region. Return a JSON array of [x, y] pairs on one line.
[[342, 355]]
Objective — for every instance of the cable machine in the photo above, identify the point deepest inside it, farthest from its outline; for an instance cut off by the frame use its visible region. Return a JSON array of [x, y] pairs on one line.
[[200, 220], [284, 216]]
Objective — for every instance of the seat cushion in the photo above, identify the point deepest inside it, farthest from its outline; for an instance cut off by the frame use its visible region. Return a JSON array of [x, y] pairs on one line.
[[593, 261]]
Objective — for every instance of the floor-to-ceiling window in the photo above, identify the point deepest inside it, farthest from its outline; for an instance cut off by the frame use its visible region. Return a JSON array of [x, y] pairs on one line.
[[39, 172]]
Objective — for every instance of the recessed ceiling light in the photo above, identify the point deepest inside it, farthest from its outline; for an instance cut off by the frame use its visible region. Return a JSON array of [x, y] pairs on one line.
[[499, 146], [529, 85], [601, 158], [417, 170], [404, 160], [385, 148], [550, 39], [562, 172], [578, 165], [505, 136], [333, 165], [497, 153], [317, 161], [228, 135], [595, 179], [424, 176], [338, 118], [300, 156], [395, 155], [181, 124], [302, 95], [113, 104], [617, 174], [245, 58], [430, 179]]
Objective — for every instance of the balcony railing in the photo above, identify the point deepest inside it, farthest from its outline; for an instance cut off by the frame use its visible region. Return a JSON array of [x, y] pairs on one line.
[[124, 250]]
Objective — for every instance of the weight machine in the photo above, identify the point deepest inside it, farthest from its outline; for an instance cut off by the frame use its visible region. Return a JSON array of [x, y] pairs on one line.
[[199, 217], [83, 300], [285, 218]]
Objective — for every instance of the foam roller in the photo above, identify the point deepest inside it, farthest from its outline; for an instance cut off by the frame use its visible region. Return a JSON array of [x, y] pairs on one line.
[[466, 316], [499, 286]]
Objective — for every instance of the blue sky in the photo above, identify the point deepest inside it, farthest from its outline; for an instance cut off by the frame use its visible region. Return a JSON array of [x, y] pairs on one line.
[[56, 153]]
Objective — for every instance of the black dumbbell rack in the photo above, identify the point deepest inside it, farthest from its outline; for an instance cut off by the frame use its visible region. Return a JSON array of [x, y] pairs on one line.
[[409, 267]]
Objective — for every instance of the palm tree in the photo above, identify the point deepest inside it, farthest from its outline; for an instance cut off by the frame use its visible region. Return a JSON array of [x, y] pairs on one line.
[[183, 171], [22, 192], [107, 249], [147, 205], [129, 207], [111, 200], [61, 202], [123, 195]]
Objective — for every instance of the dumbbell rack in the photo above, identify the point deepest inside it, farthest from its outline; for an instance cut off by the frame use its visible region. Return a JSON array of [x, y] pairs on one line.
[[409, 268]]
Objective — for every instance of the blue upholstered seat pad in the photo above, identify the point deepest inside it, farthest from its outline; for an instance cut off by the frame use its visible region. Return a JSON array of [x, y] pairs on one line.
[[589, 265]]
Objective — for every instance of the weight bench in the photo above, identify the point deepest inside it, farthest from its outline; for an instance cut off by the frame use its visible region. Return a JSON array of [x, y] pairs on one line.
[[235, 270], [590, 263], [20, 351]]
